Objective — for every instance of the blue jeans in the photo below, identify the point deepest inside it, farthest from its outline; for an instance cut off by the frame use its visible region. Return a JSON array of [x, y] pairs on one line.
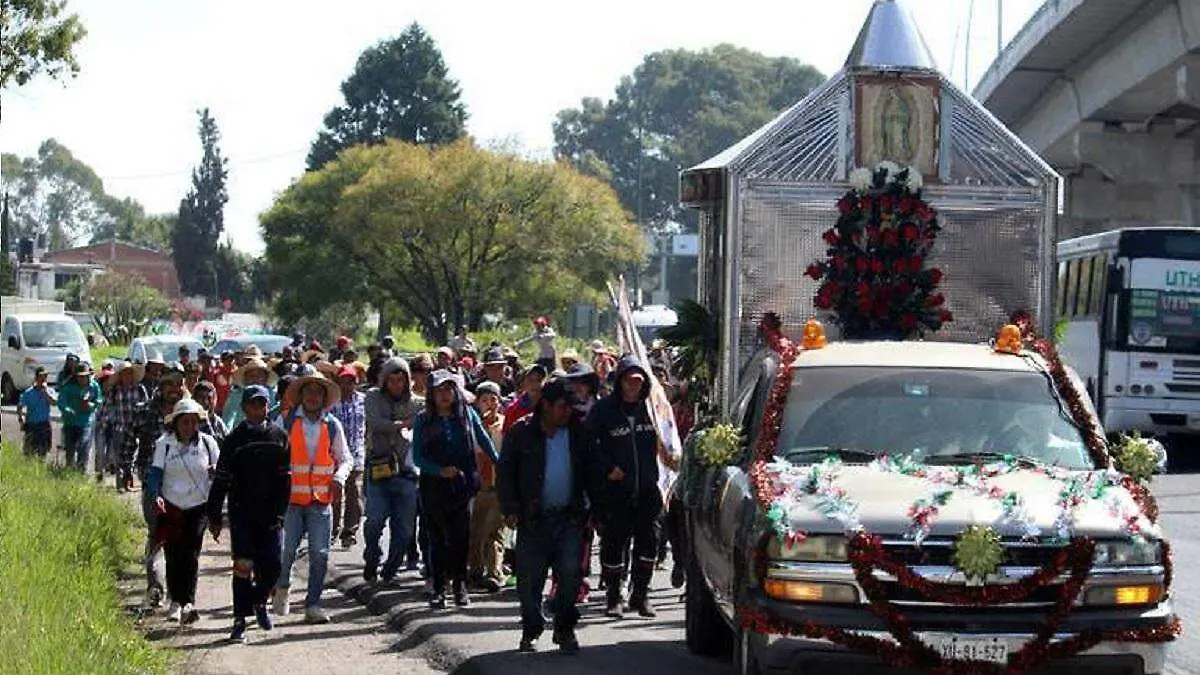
[[550, 542], [77, 443], [315, 521], [392, 502]]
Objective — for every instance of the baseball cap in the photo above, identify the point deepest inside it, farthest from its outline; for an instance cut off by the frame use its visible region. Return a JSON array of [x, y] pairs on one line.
[[255, 391]]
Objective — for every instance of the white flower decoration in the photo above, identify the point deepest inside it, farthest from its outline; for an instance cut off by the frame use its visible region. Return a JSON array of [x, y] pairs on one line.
[[915, 180], [891, 168], [860, 179]]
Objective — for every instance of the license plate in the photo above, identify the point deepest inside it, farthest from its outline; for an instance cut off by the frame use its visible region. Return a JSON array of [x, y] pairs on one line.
[[957, 648]]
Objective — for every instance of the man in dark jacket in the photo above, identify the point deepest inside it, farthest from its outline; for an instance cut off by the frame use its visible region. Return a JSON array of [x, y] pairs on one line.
[[254, 471], [543, 479], [626, 451]]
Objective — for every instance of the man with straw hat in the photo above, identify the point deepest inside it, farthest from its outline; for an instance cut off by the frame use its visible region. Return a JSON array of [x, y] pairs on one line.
[[78, 399], [320, 462], [253, 372], [351, 412], [124, 397]]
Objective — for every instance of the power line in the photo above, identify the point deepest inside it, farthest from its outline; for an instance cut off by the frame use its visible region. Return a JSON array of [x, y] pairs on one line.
[[188, 171]]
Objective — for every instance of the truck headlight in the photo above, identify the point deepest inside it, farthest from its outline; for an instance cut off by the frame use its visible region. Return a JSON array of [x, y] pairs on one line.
[[816, 548], [807, 591], [1119, 596], [1128, 553]]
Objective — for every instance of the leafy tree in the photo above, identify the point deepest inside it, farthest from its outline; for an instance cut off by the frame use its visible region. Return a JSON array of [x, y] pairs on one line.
[[678, 108], [201, 217], [38, 38], [400, 89], [8, 273], [72, 295], [123, 305], [239, 277], [54, 192], [445, 234]]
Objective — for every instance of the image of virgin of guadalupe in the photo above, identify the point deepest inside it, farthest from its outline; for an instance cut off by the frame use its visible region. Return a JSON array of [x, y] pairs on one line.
[[898, 121]]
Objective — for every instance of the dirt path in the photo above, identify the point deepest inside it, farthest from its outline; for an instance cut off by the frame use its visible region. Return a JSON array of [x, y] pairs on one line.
[[355, 641]]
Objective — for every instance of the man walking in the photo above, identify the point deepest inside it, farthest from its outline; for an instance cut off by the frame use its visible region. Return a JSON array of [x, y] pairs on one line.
[[254, 472], [626, 450], [124, 398], [351, 412], [485, 556], [391, 478], [543, 475], [320, 464], [33, 414], [78, 399], [151, 423]]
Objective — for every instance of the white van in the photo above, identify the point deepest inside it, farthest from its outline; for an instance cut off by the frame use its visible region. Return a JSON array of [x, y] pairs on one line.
[[35, 333]]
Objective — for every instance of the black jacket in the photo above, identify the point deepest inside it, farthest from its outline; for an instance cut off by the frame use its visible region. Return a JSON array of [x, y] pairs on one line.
[[522, 469], [617, 444], [255, 471]]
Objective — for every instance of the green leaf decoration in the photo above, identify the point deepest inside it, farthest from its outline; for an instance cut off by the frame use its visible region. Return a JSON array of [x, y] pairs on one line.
[[978, 552], [1137, 457], [718, 445]]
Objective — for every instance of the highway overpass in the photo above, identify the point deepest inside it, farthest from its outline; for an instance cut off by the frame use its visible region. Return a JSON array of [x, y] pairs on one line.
[[1108, 91]]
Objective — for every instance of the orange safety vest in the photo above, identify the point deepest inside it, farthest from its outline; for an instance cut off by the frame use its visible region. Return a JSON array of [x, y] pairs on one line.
[[311, 481]]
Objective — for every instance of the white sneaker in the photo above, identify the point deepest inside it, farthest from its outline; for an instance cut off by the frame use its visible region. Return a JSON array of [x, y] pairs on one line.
[[279, 605], [174, 612], [154, 598], [315, 615], [189, 615]]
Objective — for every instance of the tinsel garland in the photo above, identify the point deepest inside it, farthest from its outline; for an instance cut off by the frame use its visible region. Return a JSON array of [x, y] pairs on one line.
[[772, 421]]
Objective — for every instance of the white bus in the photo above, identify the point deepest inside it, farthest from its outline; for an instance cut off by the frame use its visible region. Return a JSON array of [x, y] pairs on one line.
[[1130, 301]]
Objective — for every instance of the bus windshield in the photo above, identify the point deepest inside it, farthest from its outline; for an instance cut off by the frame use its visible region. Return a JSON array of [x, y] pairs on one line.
[[1162, 305]]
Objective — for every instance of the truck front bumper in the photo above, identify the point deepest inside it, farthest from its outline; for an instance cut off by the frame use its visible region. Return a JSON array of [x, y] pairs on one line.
[[802, 655], [1153, 416]]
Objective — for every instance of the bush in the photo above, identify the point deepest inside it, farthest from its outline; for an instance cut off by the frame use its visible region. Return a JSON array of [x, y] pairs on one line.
[[62, 543]]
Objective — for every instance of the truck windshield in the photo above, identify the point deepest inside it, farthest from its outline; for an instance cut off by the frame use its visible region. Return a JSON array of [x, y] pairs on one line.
[[62, 333], [928, 413]]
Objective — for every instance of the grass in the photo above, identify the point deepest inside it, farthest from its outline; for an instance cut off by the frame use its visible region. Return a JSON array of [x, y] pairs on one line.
[[62, 544], [411, 341], [100, 354]]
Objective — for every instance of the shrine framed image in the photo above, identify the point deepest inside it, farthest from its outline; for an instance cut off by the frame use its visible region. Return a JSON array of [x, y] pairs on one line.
[[898, 118]]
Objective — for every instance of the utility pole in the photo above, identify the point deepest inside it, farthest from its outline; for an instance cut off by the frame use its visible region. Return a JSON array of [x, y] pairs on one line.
[[637, 272], [967, 52], [999, 27]]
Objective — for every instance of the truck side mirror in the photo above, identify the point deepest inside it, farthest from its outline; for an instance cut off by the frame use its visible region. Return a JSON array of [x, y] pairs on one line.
[[13, 342]]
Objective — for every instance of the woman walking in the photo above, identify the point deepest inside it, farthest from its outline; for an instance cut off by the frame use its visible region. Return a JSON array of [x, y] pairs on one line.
[[179, 481], [445, 436]]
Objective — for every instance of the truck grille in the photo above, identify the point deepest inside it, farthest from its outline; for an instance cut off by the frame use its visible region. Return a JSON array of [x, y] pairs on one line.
[[940, 552]]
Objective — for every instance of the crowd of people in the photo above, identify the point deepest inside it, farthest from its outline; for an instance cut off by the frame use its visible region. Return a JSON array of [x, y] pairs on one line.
[[485, 473]]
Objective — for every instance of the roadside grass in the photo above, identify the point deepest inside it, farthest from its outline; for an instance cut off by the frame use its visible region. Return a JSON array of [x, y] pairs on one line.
[[410, 341], [62, 544], [100, 354]]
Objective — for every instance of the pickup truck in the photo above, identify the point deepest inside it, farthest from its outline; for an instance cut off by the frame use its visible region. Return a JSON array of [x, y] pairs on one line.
[[840, 551]]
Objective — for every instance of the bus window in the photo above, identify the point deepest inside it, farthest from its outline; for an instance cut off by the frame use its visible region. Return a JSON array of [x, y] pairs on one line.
[[1060, 306], [1099, 269], [1085, 286], [1072, 288]]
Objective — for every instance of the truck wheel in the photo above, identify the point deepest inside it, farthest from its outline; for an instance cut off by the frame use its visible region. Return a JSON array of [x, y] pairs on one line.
[[8, 391], [705, 631], [746, 649]]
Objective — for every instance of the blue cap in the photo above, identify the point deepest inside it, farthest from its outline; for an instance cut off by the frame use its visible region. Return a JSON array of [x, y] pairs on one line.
[[255, 391]]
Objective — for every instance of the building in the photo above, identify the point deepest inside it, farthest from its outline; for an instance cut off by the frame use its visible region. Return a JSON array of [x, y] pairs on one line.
[[155, 267]]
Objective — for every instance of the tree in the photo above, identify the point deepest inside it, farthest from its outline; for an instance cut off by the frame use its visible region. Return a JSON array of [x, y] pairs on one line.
[[8, 273], [445, 234], [400, 89], [677, 109], [55, 192], [38, 38], [236, 277], [201, 217], [123, 305]]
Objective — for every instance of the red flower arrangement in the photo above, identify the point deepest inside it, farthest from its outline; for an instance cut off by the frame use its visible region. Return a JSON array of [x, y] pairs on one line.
[[874, 277]]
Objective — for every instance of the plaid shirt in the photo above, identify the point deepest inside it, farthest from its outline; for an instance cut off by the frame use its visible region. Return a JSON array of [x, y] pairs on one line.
[[151, 424], [352, 413]]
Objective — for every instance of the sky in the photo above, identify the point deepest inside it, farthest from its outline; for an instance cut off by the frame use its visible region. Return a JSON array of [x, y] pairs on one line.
[[270, 69]]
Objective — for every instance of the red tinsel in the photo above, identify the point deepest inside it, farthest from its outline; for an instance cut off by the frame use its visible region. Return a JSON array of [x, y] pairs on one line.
[[772, 421]]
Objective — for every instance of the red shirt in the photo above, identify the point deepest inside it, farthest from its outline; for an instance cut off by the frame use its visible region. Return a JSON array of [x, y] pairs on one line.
[[519, 408], [223, 382]]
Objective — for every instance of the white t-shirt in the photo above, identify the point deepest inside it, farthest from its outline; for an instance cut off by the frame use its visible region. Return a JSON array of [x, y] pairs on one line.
[[186, 479]]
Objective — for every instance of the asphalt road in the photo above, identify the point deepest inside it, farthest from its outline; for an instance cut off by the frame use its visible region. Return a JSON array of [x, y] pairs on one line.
[[483, 638]]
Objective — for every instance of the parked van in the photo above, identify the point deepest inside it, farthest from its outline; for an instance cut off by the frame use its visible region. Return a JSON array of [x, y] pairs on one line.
[[36, 333]]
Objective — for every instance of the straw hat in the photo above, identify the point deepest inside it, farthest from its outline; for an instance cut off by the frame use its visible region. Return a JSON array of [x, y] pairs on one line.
[[307, 375], [253, 364], [139, 372], [254, 352], [186, 406]]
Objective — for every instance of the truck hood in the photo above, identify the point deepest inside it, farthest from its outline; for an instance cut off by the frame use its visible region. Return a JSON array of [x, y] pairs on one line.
[[882, 502]]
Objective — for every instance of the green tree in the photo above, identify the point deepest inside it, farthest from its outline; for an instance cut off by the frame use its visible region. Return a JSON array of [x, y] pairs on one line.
[[678, 108], [239, 277], [400, 89], [39, 37], [54, 192], [201, 219], [123, 305], [8, 273], [445, 234]]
